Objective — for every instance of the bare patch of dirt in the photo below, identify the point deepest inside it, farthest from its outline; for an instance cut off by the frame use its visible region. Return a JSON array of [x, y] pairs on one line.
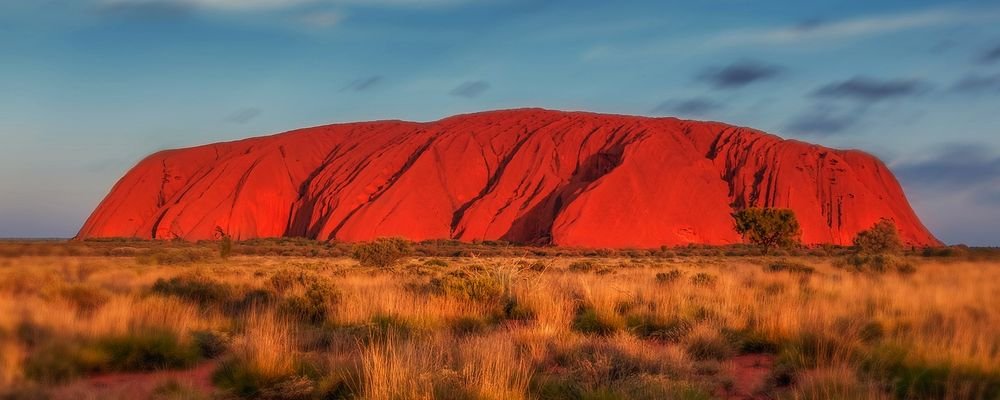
[[749, 375], [140, 385]]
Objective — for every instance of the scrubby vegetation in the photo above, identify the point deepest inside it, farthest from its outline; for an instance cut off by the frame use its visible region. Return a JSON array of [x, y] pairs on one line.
[[653, 324]]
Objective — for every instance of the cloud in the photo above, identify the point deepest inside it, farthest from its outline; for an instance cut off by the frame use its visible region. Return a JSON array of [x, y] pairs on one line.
[[244, 115], [470, 89], [362, 84], [151, 9], [322, 19], [698, 106], [990, 56], [824, 120], [738, 74], [251, 5], [871, 90], [230, 5], [955, 165], [820, 30], [974, 83]]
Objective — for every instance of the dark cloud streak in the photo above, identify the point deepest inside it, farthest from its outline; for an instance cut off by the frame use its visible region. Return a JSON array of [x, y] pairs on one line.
[[824, 120], [147, 10], [698, 106], [470, 89], [363, 84], [738, 74], [871, 90]]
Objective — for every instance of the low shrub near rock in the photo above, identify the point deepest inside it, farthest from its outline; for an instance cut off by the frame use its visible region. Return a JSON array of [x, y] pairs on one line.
[[790, 266], [382, 253]]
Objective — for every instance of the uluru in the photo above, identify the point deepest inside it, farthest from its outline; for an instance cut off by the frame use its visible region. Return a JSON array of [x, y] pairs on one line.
[[525, 176]]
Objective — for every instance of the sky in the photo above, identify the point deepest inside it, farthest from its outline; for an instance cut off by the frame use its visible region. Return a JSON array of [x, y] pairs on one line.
[[89, 87]]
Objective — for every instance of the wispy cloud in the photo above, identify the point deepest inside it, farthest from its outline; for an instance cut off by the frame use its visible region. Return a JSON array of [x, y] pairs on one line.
[[248, 5], [470, 89], [362, 84], [812, 32], [738, 74], [871, 90], [243, 115], [853, 28], [825, 120], [693, 107], [975, 83], [322, 19], [234, 5], [991, 55]]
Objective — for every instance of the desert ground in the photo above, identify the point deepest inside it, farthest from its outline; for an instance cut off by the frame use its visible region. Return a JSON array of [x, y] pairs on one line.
[[302, 319]]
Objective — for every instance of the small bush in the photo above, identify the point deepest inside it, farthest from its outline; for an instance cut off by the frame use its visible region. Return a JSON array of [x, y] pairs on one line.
[[175, 256], [703, 279], [436, 262], [669, 276], [882, 238], [314, 305], [195, 288], [588, 321], [148, 351], [464, 326], [210, 344], [790, 266], [382, 253], [649, 326], [85, 299], [582, 266], [708, 347], [876, 263], [461, 285]]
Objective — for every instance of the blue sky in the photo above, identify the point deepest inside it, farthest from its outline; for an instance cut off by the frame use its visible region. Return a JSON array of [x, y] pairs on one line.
[[89, 87]]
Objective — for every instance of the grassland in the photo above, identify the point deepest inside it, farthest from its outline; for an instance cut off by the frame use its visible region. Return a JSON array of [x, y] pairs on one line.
[[294, 319]]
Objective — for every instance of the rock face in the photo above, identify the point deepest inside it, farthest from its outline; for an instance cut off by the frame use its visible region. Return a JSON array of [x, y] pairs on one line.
[[528, 176]]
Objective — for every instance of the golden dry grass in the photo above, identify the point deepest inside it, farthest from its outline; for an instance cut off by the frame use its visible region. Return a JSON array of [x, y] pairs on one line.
[[517, 331]]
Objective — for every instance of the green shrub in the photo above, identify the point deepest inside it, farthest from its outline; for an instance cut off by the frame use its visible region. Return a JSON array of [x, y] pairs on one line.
[[61, 361], [708, 348], [876, 263], [210, 344], [478, 287], [175, 256], [790, 266], [582, 266], [466, 325], [148, 351], [655, 327], [314, 305], [882, 238], [588, 321], [669, 276], [910, 379], [768, 228], [85, 299], [436, 262], [748, 341], [382, 253], [703, 279], [195, 288]]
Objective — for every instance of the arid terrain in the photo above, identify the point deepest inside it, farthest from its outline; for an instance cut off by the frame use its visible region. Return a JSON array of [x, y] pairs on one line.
[[302, 319]]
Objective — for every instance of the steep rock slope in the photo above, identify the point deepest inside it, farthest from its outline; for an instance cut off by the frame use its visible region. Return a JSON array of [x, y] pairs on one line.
[[531, 176]]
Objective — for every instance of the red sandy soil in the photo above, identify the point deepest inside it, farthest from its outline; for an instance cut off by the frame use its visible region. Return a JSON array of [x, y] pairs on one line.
[[749, 373], [529, 176], [138, 385]]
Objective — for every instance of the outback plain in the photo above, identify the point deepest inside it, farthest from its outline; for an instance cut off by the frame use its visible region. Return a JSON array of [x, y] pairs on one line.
[[389, 319]]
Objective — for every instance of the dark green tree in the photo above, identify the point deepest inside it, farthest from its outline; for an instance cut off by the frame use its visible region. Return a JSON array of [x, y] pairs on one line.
[[881, 238], [382, 252], [768, 228]]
